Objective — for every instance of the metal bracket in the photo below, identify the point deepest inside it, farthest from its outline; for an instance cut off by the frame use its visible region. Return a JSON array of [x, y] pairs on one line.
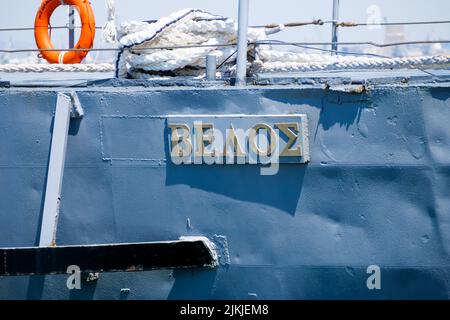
[[5, 84], [188, 252], [77, 110]]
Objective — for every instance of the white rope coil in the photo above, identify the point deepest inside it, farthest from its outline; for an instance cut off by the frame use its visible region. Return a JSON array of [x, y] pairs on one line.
[[185, 27], [102, 67]]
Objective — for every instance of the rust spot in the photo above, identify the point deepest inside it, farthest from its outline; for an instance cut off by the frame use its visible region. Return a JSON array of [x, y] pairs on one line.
[[350, 88], [134, 268], [357, 89]]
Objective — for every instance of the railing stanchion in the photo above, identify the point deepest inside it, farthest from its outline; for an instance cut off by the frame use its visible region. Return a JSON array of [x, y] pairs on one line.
[[334, 30], [241, 60], [71, 27], [211, 66]]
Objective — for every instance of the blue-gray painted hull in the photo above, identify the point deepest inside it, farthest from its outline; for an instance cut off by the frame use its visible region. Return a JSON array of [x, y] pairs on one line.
[[376, 192]]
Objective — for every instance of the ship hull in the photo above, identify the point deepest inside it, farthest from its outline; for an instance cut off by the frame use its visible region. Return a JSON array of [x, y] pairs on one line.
[[374, 193]]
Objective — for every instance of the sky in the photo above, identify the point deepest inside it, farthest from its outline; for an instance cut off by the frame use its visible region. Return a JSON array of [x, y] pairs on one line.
[[21, 13]]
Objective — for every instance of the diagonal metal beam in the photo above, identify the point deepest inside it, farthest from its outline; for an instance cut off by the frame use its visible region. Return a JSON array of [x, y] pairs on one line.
[[55, 171]]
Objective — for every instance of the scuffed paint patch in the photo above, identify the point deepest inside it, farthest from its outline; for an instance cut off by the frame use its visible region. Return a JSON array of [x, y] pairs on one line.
[[349, 88], [221, 243], [208, 244]]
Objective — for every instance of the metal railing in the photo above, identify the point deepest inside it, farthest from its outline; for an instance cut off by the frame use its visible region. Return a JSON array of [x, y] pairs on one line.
[[336, 24], [242, 43]]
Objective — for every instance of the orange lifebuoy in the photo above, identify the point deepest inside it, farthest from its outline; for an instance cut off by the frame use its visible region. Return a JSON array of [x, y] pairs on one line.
[[42, 36]]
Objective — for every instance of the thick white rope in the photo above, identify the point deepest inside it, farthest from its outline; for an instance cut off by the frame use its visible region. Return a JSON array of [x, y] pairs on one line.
[[346, 63], [31, 67], [351, 63]]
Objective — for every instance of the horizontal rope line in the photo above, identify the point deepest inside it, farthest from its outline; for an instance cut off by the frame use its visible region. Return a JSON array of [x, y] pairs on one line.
[[265, 42], [321, 22], [120, 49], [381, 45], [352, 64], [39, 68], [356, 24], [318, 22], [371, 63], [32, 28]]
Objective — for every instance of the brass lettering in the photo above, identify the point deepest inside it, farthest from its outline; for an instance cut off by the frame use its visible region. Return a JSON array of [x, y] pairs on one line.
[[286, 127], [233, 141], [252, 139], [181, 144], [201, 138]]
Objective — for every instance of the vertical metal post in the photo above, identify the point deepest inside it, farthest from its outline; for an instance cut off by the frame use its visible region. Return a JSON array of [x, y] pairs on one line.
[[211, 66], [334, 31], [241, 60], [71, 27], [55, 171]]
